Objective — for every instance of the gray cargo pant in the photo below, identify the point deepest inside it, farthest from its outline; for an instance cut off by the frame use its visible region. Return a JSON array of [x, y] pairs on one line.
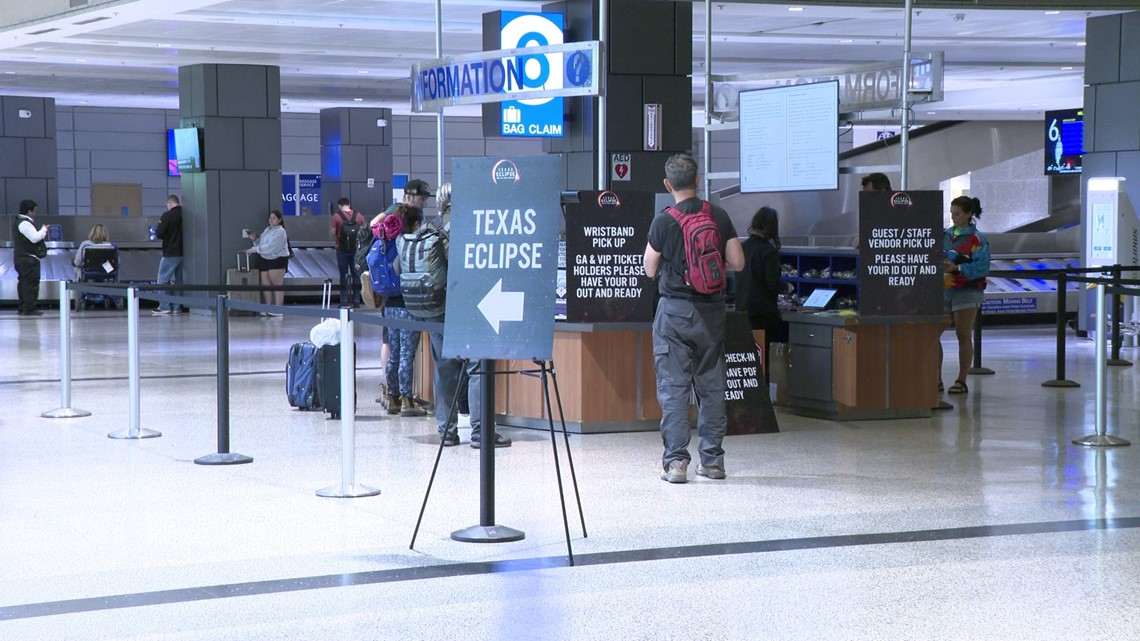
[[688, 351]]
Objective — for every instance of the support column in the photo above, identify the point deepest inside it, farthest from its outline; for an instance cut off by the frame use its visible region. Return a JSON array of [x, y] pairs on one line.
[[28, 160], [649, 61], [356, 158], [238, 108]]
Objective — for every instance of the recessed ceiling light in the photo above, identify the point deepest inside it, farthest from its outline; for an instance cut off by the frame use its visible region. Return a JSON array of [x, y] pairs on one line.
[[1066, 68], [361, 71], [10, 73], [1052, 13], [163, 45], [846, 42], [1081, 44], [931, 113], [795, 8], [284, 22], [81, 59], [358, 99]]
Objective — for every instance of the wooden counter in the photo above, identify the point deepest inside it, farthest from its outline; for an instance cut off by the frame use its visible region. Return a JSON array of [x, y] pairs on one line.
[[850, 368], [605, 377]]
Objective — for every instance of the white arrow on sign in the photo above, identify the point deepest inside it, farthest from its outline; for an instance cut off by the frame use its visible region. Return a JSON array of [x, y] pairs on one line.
[[499, 306]]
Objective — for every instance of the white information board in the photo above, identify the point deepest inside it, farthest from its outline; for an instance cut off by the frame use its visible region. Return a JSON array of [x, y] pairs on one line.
[[789, 138]]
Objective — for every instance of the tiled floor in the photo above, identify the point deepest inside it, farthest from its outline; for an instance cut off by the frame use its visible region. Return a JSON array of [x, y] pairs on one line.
[[983, 522]]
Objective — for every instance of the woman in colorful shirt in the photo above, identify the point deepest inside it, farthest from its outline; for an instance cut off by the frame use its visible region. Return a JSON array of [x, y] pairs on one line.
[[965, 267]]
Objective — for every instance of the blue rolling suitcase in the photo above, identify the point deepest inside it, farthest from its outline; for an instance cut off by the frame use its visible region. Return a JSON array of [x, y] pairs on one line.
[[301, 385]]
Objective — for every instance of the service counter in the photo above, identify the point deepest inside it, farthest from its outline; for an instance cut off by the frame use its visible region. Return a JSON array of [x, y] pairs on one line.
[[844, 367], [605, 379]]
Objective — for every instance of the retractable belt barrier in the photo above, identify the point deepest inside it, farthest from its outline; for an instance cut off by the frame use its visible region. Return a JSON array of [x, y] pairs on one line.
[[162, 293]]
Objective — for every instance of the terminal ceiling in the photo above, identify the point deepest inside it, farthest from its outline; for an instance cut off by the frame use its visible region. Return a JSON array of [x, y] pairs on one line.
[[1005, 59]]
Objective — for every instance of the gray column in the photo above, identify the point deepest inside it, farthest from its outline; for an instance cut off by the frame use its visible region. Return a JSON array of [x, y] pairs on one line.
[[238, 107], [28, 163], [650, 62], [356, 148]]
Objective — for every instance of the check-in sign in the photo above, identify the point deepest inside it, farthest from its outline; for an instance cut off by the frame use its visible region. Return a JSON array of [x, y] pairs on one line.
[[503, 260]]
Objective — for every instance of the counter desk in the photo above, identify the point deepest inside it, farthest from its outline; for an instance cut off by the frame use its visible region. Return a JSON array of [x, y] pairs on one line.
[[845, 367], [605, 378]]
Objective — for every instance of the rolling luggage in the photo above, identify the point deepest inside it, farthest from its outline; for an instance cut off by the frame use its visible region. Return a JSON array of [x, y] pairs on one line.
[[328, 379], [301, 377], [243, 275]]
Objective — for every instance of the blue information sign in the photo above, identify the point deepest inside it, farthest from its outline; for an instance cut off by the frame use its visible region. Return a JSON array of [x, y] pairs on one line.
[[505, 217], [541, 117]]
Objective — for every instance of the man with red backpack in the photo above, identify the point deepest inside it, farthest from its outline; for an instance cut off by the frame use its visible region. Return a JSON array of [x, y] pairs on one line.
[[691, 244]]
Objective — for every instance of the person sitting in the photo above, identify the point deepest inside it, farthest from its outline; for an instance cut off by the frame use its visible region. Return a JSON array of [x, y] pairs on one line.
[[97, 238]]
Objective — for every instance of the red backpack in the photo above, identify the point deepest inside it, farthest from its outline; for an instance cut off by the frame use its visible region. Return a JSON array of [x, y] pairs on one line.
[[704, 266]]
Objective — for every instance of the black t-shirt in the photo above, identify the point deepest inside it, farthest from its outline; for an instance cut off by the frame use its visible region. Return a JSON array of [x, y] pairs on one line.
[[665, 237]]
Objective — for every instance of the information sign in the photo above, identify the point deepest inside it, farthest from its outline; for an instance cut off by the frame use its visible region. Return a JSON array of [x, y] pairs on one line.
[[606, 233], [900, 253], [505, 216]]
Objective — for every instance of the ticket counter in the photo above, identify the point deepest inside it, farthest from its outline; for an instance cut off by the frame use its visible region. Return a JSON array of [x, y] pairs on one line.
[[842, 367], [605, 377]]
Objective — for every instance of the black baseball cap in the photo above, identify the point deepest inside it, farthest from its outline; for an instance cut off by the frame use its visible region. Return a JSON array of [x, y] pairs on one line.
[[417, 187]]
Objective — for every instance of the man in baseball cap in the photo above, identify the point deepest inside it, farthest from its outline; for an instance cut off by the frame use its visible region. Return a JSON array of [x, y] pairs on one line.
[[416, 193]]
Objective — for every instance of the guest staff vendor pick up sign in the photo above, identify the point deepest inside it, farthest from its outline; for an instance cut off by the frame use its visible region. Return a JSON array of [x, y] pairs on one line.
[[900, 253]]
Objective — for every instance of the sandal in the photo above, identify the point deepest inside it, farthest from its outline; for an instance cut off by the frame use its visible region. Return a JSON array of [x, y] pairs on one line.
[[959, 387]]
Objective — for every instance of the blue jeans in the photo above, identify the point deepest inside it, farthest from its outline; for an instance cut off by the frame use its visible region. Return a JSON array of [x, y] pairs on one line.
[[402, 345], [169, 272], [346, 267]]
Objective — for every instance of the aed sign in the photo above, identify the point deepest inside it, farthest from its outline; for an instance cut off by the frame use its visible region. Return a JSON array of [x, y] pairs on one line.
[[505, 220], [539, 117]]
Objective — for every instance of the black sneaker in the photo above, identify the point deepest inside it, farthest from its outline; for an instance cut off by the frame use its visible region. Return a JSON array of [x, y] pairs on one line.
[[450, 439], [500, 441]]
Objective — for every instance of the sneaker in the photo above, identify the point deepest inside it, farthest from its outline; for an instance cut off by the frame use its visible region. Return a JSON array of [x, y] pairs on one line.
[[450, 439], [500, 441], [160, 311], [676, 472], [393, 404], [273, 315], [714, 472], [408, 407], [176, 310]]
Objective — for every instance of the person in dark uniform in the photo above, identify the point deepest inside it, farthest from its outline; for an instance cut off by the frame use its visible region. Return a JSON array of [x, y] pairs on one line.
[[29, 249], [876, 182], [758, 287]]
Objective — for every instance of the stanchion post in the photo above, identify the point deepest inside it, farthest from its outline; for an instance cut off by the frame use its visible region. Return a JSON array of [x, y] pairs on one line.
[[133, 431], [977, 369], [348, 487], [1101, 439], [223, 456], [1062, 312], [1117, 312], [65, 410]]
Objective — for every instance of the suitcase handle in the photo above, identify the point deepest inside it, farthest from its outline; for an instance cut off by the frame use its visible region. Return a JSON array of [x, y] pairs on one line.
[[326, 294], [239, 259]]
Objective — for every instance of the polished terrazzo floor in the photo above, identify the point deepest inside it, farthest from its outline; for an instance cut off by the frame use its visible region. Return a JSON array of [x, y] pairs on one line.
[[982, 522]]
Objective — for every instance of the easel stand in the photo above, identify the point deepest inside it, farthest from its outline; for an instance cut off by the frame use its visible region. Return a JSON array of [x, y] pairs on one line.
[[487, 531]]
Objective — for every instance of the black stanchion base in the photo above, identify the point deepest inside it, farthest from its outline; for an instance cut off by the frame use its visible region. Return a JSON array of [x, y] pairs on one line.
[[1118, 362], [223, 459], [488, 534], [980, 371], [1060, 382], [942, 405]]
